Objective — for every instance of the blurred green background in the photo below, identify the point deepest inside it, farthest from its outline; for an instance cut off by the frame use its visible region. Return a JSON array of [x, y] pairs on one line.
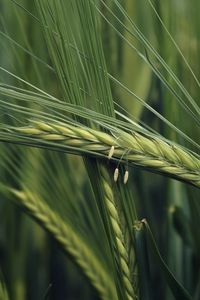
[[32, 265]]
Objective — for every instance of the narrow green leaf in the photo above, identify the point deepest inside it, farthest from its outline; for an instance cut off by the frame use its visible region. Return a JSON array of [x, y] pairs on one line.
[[179, 292], [182, 225], [143, 261]]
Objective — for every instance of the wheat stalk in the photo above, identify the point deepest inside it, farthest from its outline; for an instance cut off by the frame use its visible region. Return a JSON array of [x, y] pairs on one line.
[[69, 241], [122, 252], [149, 152]]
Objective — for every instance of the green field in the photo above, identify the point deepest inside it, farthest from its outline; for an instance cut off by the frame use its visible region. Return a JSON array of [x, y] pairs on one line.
[[99, 150]]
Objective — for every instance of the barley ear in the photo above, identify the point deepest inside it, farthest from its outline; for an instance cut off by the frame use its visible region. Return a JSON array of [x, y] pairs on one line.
[[70, 242], [122, 252]]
